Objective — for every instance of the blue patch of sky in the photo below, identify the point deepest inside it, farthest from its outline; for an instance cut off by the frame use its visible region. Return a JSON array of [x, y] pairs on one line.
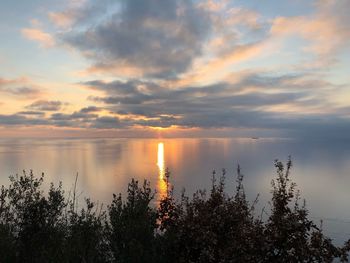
[[273, 8], [24, 57], [340, 71], [18, 13]]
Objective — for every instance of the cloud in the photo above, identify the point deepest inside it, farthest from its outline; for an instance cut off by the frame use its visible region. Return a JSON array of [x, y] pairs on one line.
[[23, 91], [159, 37], [215, 68], [327, 29], [31, 113], [79, 12], [107, 122], [62, 19], [45, 105], [73, 116], [35, 34], [196, 65], [252, 102], [214, 5], [237, 35], [20, 91], [19, 87], [81, 119], [162, 38], [249, 103], [90, 109], [4, 82], [20, 120], [243, 16]]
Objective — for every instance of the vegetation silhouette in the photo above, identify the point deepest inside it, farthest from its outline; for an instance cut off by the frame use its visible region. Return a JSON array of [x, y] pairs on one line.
[[208, 227]]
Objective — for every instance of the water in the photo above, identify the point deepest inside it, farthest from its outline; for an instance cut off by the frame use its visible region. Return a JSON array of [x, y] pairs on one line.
[[105, 166]]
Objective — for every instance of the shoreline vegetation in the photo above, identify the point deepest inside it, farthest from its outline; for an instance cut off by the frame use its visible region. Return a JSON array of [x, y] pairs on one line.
[[210, 226]]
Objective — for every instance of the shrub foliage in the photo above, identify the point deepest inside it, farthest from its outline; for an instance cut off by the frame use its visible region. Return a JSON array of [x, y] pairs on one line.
[[211, 226]]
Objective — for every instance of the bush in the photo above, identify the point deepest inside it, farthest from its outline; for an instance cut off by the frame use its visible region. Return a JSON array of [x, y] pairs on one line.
[[208, 227], [217, 228], [132, 225]]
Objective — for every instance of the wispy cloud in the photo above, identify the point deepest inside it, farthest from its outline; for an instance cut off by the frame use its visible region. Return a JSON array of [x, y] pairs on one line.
[[20, 87], [327, 30], [44, 39], [45, 105]]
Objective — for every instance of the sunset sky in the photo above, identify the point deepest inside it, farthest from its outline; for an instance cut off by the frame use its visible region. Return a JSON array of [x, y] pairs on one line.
[[142, 68]]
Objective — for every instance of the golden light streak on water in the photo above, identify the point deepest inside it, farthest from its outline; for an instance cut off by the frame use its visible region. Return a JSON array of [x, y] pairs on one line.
[[160, 160], [161, 171]]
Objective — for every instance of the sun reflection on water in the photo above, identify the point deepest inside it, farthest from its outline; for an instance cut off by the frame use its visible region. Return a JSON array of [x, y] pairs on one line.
[[160, 160], [161, 171]]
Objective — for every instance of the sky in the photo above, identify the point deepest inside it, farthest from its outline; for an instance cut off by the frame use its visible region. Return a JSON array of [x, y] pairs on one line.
[[175, 68]]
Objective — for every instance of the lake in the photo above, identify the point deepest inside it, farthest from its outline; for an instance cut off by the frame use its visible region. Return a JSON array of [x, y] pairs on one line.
[[105, 166]]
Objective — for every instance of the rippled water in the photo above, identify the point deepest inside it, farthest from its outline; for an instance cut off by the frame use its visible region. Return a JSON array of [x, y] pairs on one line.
[[105, 166]]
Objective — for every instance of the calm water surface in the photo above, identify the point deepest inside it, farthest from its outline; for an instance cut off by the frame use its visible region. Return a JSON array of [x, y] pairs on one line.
[[105, 166]]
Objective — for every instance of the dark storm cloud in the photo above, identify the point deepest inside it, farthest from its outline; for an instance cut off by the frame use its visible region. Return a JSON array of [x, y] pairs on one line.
[[44, 105], [162, 36]]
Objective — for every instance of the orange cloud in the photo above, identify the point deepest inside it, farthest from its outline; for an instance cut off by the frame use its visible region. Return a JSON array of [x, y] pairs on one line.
[[218, 67], [318, 31], [214, 5], [243, 16], [44, 39], [326, 30], [21, 80], [62, 19], [122, 69]]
